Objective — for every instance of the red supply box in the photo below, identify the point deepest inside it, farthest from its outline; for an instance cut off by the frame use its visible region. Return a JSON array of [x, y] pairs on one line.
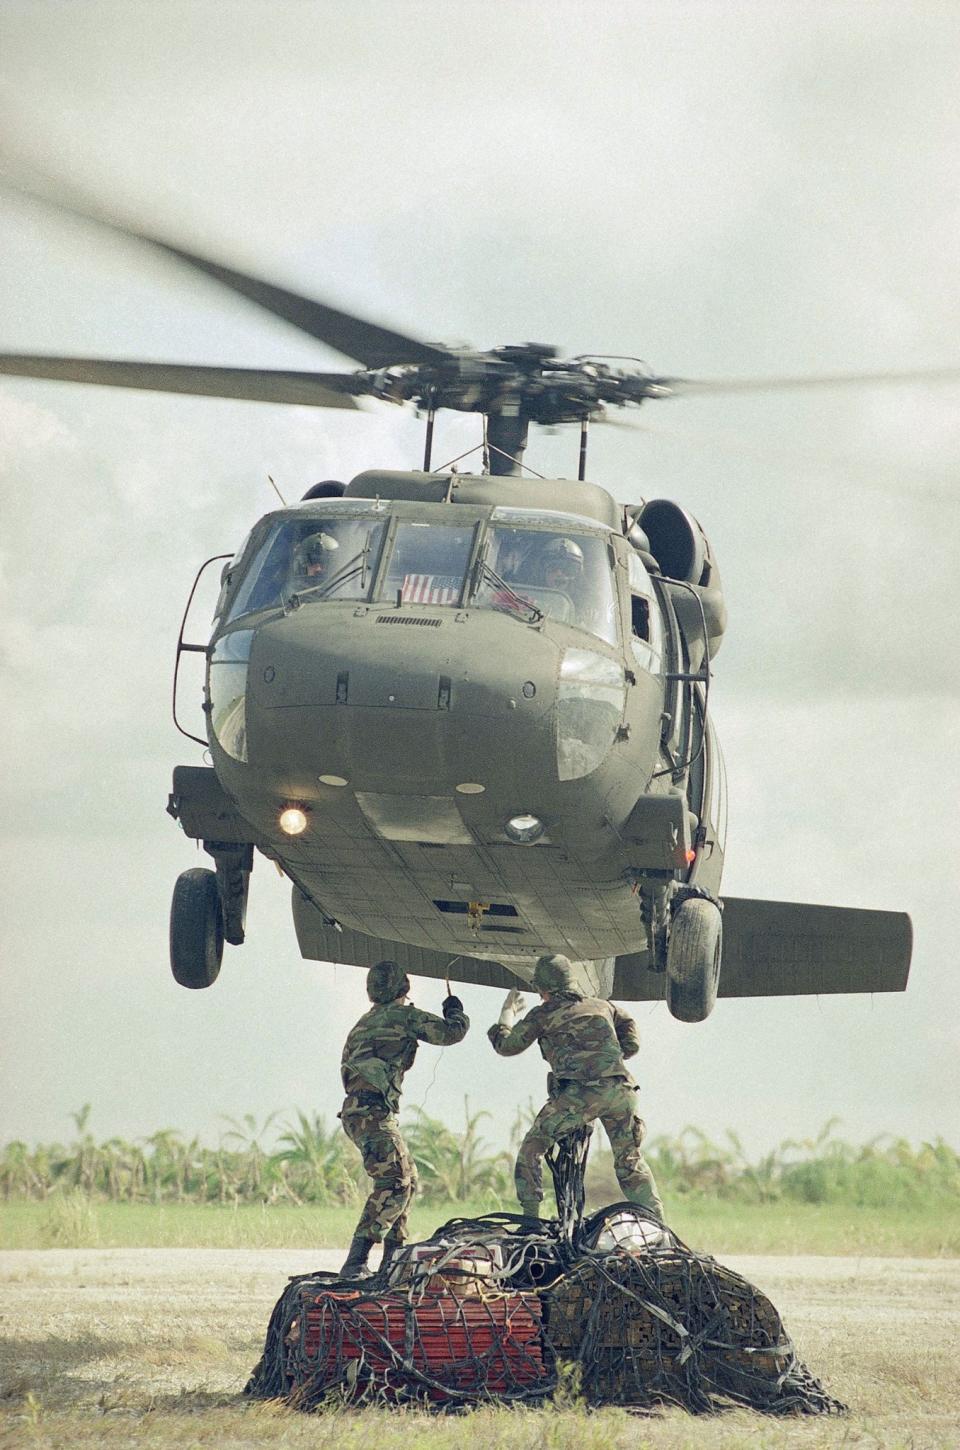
[[395, 1345]]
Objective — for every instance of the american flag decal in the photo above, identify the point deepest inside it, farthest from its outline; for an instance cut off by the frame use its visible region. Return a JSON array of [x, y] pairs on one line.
[[430, 589]]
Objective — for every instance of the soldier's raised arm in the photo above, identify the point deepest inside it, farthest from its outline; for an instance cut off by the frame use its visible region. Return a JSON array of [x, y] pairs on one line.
[[441, 1031], [626, 1030], [510, 1037]]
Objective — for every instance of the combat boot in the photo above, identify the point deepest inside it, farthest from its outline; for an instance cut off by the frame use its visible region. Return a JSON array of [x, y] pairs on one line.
[[391, 1245], [355, 1265]]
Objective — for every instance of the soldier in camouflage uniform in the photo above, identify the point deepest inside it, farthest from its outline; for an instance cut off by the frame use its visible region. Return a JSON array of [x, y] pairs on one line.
[[377, 1053], [585, 1041]]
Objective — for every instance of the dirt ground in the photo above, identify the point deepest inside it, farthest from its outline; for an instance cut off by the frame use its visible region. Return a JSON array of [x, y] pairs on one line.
[[151, 1347]]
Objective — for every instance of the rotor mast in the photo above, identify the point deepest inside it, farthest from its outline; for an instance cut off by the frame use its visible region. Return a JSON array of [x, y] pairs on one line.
[[506, 434]]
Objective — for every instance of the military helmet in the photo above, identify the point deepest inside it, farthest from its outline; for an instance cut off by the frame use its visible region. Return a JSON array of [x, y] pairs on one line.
[[318, 549], [553, 973], [386, 982], [564, 551], [564, 555]]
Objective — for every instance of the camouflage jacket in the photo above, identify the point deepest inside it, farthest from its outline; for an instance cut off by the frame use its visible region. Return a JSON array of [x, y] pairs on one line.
[[383, 1044], [582, 1038]]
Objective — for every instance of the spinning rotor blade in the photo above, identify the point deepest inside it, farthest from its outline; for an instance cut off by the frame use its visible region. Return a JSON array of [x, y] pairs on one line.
[[679, 386], [256, 385], [367, 342]]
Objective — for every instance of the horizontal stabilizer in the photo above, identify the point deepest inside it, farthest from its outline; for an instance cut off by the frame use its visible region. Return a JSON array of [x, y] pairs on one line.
[[786, 948], [770, 949]]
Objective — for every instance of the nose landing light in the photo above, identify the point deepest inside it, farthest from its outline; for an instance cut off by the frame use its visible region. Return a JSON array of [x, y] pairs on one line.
[[293, 821], [524, 829]]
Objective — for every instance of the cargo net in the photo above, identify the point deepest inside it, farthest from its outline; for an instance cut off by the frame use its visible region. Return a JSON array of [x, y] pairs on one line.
[[612, 1309]]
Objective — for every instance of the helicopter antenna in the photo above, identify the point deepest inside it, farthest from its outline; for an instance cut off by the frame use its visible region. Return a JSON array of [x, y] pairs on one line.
[[276, 491], [582, 465]]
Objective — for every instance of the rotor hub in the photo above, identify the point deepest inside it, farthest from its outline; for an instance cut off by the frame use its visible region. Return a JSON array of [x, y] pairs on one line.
[[529, 381]]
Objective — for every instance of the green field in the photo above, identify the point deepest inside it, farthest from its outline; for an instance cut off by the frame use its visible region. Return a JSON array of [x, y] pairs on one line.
[[299, 1184], [73, 1220]]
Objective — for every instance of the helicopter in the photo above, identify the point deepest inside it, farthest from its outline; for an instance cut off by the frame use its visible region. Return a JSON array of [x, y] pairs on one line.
[[467, 715]]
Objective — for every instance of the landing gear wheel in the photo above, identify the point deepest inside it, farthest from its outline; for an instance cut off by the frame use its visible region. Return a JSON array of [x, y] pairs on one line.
[[693, 960], [196, 929]]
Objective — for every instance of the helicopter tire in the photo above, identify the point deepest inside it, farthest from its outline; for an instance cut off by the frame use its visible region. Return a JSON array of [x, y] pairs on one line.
[[196, 929], [693, 960]]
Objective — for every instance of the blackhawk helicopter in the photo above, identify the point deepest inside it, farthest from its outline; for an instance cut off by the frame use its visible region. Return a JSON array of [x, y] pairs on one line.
[[467, 714]]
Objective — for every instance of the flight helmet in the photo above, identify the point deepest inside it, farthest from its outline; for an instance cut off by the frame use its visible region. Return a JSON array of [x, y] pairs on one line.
[[317, 553], [561, 563]]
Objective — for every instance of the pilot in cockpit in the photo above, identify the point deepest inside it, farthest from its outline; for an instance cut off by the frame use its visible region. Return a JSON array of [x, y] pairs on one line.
[[316, 558], [511, 562], [560, 565]]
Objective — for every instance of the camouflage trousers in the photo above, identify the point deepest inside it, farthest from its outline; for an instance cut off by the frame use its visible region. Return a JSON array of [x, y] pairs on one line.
[[386, 1160], [574, 1105]]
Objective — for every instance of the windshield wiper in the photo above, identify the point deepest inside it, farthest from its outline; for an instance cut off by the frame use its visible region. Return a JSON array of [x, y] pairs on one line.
[[486, 573]]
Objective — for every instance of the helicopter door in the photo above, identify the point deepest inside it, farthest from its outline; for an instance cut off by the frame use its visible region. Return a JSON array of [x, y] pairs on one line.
[[716, 798], [698, 772], [677, 696]]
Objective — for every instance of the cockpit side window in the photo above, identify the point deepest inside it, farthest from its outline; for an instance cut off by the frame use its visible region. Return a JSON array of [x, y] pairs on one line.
[[261, 585], [566, 576], [646, 641]]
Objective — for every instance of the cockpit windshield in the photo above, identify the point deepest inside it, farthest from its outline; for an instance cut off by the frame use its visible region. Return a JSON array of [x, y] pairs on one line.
[[314, 558], [352, 554], [566, 576]]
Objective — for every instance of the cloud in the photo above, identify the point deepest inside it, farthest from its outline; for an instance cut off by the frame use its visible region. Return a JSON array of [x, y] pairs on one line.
[[725, 190], [28, 428]]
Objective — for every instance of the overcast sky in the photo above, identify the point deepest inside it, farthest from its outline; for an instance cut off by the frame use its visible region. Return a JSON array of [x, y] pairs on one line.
[[725, 190]]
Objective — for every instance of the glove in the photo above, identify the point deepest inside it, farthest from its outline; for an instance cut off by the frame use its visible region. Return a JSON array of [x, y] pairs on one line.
[[452, 1007], [512, 1008]]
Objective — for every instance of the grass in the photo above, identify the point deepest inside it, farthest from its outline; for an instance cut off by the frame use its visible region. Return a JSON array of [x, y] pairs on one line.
[[720, 1227], [96, 1352], [55, 1224], [95, 1357], [300, 1184]]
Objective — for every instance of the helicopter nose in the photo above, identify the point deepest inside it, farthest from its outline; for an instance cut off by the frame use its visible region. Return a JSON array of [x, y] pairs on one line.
[[403, 702]]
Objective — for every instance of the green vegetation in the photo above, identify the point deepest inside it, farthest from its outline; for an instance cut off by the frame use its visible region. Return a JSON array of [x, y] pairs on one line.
[[886, 1173], [308, 1163], [73, 1220], [300, 1184]]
